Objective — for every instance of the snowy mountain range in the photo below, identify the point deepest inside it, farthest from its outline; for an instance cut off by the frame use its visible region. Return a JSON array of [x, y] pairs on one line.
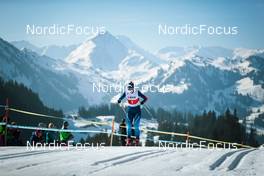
[[195, 78], [226, 80], [53, 51], [42, 74]]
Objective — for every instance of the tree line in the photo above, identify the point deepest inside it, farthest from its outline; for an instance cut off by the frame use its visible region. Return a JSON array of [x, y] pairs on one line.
[[24, 98], [225, 127]]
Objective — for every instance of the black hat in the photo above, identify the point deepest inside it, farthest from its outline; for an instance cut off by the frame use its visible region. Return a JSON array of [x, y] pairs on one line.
[[65, 123], [130, 85]]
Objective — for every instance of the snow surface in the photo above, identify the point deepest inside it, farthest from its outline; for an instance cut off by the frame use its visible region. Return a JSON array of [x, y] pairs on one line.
[[244, 52], [131, 161], [246, 87], [256, 111], [53, 51], [174, 89], [81, 54]]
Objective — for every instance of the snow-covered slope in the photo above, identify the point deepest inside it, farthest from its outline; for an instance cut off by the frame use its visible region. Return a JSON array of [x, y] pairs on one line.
[[139, 161], [219, 57], [53, 51], [116, 58], [25, 44], [42, 74], [57, 52], [69, 83], [172, 53], [102, 51], [195, 87], [212, 76], [246, 87]]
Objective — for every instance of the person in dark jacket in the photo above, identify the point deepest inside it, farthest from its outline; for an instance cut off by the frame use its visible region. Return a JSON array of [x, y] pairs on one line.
[[13, 137], [122, 130], [50, 135], [36, 137], [3, 131]]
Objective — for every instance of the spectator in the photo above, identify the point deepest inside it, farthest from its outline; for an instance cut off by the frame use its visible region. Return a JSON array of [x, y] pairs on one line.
[[13, 136], [3, 131], [65, 136], [37, 137], [50, 135]]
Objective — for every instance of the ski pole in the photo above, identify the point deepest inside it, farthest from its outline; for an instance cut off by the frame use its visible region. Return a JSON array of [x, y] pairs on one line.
[[122, 108], [145, 107]]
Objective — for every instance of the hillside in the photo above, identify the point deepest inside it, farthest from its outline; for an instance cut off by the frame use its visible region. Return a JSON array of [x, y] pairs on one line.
[[23, 98]]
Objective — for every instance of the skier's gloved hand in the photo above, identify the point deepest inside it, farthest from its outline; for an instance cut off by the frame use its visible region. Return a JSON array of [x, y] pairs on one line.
[[118, 101], [141, 104]]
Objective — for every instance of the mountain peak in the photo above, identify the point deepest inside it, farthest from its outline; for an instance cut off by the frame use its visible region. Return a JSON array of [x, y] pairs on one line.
[[100, 36], [103, 51]]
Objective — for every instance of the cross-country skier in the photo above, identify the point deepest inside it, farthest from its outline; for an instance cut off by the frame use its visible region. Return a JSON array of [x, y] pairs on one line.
[[134, 111]]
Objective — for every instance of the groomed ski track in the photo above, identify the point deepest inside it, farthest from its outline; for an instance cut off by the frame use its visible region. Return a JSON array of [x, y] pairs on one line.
[[140, 161]]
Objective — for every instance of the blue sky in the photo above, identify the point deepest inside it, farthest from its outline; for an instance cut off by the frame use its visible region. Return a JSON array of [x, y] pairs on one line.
[[138, 19]]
